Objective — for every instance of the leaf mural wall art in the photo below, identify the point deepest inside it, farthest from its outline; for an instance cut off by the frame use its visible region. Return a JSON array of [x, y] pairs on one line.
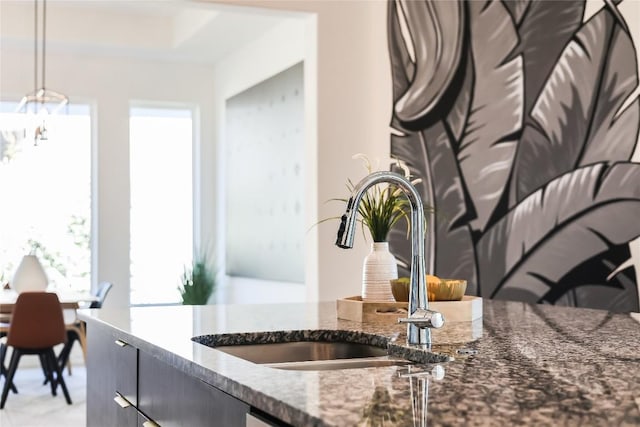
[[522, 121]]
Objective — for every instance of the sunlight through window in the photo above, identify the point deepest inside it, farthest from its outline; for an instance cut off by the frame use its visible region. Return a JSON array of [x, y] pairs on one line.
[[45, 194], [161, 202]]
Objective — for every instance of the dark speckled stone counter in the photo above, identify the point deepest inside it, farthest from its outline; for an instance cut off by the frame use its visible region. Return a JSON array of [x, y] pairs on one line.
[[522, 365]]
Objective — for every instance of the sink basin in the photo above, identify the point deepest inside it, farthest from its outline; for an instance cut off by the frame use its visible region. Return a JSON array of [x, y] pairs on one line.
[[304, 350], [313, 355], [301, 351]]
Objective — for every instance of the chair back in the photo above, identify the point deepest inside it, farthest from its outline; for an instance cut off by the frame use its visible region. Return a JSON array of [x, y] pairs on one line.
[[101, 294], [37, 321]]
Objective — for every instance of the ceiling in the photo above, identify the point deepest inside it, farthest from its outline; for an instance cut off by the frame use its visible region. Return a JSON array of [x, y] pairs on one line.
[[169, 30]]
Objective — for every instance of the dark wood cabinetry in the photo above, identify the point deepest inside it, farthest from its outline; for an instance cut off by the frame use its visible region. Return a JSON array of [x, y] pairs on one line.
[[172, 398], [127, 386], [112, 364]]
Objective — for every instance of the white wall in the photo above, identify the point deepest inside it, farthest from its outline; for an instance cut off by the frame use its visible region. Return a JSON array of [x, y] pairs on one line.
[[280, 48], [109, 84], [347, 69], [346, 65]]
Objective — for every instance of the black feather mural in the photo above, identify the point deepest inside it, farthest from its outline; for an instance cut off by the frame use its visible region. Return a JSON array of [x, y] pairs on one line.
[[521, 120]]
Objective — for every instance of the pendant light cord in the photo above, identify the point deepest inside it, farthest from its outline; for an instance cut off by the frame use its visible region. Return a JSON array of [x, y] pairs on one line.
[[35, 49], [37, 42], [44, 38]]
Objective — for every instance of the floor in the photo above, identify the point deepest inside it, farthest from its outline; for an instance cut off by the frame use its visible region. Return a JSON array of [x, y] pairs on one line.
[[34, 406]]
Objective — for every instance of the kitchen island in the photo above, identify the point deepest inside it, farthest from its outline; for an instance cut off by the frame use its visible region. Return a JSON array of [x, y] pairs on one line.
[[520, 365]]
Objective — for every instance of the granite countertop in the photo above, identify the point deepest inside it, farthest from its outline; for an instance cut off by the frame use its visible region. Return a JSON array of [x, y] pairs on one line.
[[520, 365]]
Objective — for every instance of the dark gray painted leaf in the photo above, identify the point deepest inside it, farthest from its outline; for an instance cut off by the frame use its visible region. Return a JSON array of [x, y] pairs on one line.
[[557, 228], [450, 248], [572, 119], [614, 133], [517, 9], [402, 68], [455, 249], [412, 150], [545, 29], [488, 144], [596, 289], [436, 29], [457, 117]]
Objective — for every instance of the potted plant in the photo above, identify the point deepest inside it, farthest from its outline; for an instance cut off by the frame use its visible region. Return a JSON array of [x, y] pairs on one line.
[[380, 210], [198, 281]]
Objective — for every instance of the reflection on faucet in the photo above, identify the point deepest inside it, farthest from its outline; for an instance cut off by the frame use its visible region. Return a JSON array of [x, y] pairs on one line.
[[420, 317], [419, 387]]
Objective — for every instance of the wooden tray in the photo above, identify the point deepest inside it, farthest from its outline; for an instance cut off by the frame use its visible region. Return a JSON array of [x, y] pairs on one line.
[[353, 308]]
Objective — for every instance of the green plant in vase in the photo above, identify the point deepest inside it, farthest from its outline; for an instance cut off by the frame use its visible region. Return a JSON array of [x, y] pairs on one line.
[[379, 211], [198, 281]]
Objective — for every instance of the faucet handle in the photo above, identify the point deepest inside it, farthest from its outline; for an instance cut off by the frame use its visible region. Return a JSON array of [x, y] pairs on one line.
[[424, 319]]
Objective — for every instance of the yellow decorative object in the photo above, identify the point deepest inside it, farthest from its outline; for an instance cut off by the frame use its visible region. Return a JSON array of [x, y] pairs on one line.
[[446, 290], [400, 289], [437, 289]]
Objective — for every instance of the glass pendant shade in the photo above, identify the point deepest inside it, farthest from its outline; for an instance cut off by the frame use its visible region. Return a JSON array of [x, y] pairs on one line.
[[43, 101], [29, 276]]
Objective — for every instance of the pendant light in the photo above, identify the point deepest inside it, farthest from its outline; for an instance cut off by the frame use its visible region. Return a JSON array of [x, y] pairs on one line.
[[42, 102]]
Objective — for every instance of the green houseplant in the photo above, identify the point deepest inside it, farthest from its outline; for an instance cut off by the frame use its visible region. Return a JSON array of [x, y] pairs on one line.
[[380, 210], [198, 281], [383, 205]]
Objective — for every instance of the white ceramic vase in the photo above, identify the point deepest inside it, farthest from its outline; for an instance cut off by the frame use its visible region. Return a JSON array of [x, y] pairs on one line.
[[379, 267], [29, 275]]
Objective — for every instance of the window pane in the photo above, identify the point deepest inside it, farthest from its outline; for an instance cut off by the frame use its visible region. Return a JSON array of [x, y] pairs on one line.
[[161, 202], [45, 194]]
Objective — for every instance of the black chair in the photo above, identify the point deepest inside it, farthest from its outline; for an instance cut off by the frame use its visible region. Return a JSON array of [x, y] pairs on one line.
[[101, 294], [36, 327], [3, 369], [76, 330]]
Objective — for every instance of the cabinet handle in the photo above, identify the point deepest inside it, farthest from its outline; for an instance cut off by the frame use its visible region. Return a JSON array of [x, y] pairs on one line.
[[149, 424], [124, 403], [121, 343]]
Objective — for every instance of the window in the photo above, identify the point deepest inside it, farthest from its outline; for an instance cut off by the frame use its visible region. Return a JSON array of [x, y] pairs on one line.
[[45, 196], [161, 141]]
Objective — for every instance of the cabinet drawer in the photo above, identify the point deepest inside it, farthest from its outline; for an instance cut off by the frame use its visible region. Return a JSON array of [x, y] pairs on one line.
[[170, 397], [126, 370], [111, 369], [126, 413]]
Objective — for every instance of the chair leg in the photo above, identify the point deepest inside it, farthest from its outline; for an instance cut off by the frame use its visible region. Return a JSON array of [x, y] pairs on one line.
[[50, 370], [82, 337], [63, 357], [13, 366], [45, 368], [3, 370], [60, 380]]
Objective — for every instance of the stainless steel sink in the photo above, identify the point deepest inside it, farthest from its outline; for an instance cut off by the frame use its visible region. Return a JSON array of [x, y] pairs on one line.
[[313, 355]]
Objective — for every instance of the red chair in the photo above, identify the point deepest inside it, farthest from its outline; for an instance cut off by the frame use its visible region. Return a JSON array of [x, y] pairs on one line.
[[36, 327]]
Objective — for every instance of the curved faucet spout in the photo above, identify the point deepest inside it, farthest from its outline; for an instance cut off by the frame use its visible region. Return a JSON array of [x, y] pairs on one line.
[[417, 330]]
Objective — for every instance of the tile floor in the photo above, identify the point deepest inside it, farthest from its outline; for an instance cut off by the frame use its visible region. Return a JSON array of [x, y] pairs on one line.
[[34, 406]]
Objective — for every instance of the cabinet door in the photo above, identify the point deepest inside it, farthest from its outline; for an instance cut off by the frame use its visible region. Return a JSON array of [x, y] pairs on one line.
[[172, 398], [112, 368]]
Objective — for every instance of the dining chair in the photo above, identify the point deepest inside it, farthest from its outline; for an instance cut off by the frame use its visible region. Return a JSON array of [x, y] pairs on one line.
[[3, 369], [101, 294], [36, 327], [5, 319], [76, 331]]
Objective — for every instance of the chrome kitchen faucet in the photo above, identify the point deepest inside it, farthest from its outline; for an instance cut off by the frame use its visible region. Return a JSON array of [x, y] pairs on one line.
[[420, 317]]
